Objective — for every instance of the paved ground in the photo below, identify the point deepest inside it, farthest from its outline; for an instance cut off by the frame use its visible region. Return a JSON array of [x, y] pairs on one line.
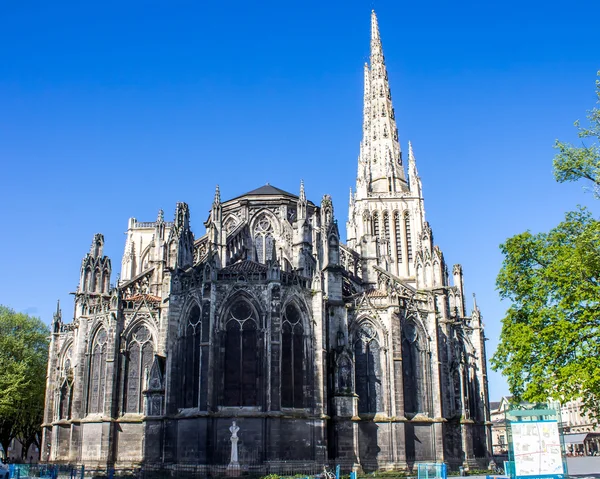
[[580, 467], [588, 466]]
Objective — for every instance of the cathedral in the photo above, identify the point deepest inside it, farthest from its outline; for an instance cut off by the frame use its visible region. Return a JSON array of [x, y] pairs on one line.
[[359, 353]]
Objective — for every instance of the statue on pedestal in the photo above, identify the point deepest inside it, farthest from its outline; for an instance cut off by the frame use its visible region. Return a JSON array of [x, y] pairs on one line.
[[234, 462]]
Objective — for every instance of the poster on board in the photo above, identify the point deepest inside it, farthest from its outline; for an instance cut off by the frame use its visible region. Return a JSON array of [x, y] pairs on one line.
[[537, 451]]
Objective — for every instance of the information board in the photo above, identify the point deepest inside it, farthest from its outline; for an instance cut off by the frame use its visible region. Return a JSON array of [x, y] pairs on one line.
[[537, 451]]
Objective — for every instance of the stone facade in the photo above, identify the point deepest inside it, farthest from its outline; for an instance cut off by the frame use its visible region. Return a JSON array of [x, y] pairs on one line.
[[362, 353]]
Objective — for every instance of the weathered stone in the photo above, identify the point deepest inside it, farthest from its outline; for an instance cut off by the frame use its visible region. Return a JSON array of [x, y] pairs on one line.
[[360, 353]]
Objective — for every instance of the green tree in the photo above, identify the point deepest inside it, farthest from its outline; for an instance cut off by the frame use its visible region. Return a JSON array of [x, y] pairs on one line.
[[573, 163], [23, 363], [550, 340]]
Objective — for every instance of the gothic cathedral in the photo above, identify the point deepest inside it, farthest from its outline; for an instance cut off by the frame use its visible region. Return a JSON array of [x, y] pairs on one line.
[[360, 353]]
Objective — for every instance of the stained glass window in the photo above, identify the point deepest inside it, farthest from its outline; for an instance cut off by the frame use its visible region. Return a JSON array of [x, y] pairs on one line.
[[241, 368], [368, 370], [292, 360], [139, 361]]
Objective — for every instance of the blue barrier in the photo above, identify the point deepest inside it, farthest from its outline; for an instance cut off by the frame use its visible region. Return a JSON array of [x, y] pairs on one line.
[[432, 471]]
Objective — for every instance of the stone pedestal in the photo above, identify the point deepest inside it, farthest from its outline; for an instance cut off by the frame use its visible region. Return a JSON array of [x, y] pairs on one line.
[[233, 468]]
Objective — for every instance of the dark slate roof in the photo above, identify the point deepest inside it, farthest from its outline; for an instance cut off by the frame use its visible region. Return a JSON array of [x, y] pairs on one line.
[[494, 405], [246, 266], [267, 190]]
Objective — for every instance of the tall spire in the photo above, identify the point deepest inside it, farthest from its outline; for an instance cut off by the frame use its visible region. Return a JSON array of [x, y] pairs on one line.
[[380, 162]]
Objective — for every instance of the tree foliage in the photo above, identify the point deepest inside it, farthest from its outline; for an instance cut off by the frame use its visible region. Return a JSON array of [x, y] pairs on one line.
[[581, 162], [23, 363], [550, 340]]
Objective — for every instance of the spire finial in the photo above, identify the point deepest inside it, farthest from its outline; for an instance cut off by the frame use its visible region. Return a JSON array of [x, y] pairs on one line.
[[217, 200], [351, 203], [161, 216], [302, 193], [376, 49]]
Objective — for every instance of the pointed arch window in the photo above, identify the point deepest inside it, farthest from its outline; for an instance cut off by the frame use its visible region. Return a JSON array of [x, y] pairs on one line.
[[292, 359], [241, 369], [140, 355], [66, 391], [367, 355], [386, 231], [65, 400], [264, 242], [409, 250], [398, 232], [414, 370], [97, 281], [194, 361], [375, 224], [97, 372]]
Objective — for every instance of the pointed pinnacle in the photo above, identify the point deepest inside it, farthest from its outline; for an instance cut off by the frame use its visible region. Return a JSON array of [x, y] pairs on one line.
[[374, 26], [217, 200], [351, 198], [412, 162], [377, 59], [302, 193]]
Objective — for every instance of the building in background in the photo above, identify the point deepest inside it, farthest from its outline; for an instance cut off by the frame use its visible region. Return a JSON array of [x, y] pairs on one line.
[[363, 353], [15, 453], [582, 433], [499, 425]]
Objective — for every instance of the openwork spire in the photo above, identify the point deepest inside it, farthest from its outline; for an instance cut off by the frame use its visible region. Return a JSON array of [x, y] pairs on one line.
[[380, 169], [376, 48]]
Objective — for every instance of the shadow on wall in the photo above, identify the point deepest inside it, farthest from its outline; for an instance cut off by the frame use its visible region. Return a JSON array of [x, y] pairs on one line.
[[368, 445]]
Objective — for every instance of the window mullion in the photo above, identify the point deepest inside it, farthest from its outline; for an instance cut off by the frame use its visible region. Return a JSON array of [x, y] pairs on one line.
[[140, 380]]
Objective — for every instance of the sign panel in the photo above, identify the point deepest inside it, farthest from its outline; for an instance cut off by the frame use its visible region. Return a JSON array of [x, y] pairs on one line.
[[537, 452]]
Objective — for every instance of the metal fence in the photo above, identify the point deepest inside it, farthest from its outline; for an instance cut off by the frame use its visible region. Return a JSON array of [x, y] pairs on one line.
[[47, 471], [256, 469]]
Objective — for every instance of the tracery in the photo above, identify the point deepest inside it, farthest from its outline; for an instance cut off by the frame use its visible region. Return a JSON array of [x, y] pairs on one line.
[[414, 367], [292, 361], [263, 239], [367, 354], [97, 368], [140, 354], [241, 356]]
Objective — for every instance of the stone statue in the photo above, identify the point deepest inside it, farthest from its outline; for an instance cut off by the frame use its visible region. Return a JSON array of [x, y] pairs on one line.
[[234, 445]]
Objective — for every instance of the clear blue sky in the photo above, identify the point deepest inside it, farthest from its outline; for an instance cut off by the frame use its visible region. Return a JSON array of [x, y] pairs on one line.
[[116, 109]]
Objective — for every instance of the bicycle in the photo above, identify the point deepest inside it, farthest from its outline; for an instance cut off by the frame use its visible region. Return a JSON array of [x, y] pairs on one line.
[[327, 474]]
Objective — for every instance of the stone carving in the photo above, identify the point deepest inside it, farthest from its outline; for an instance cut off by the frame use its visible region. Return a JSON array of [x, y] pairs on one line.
[[234, 460]]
